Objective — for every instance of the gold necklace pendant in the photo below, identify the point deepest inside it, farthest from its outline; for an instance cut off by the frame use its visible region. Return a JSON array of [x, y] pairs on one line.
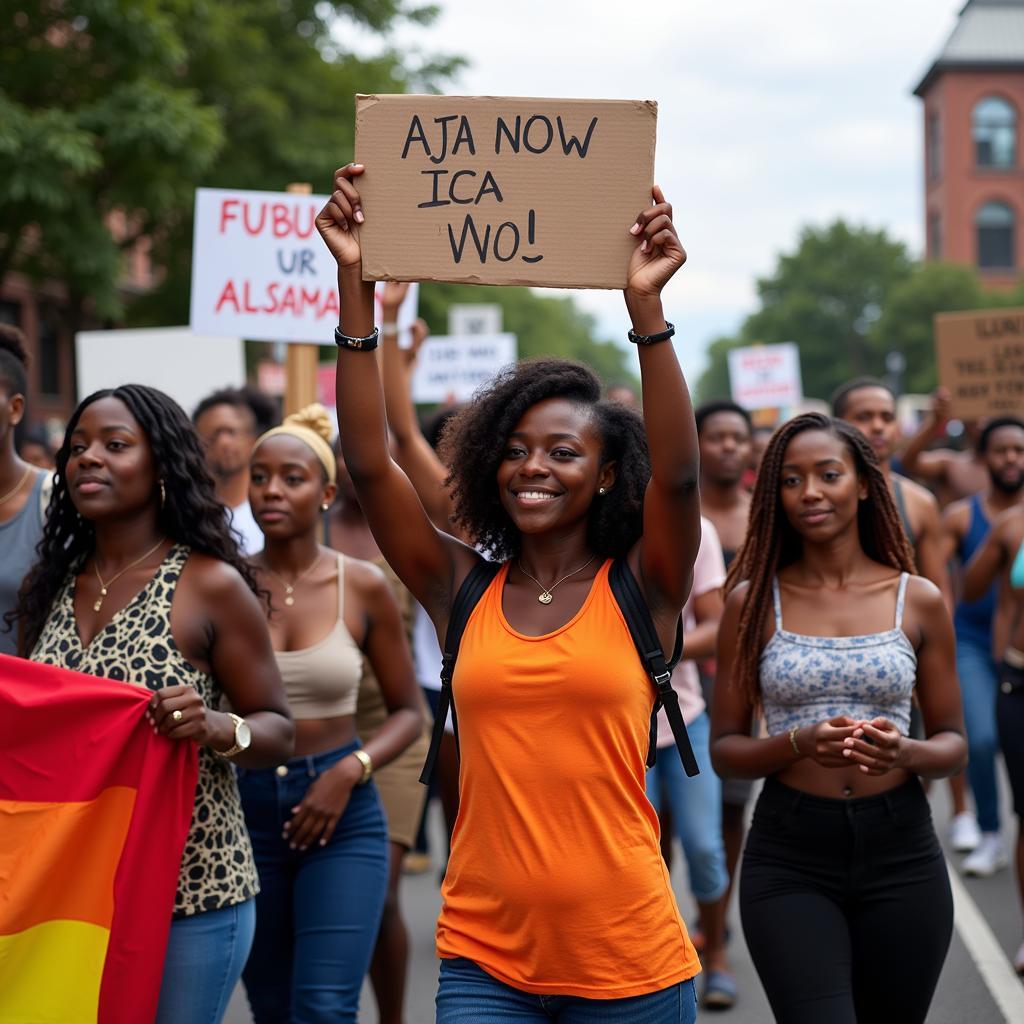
[[545, 598], [99, 601]]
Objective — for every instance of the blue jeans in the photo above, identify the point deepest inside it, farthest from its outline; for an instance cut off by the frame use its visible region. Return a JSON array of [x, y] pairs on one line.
[[696, 806], [318, 910], [979, 685], [469, 995], [205, 955]]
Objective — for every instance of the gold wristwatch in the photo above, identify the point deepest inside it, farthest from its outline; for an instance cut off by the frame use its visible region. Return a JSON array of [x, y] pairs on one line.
[[243, 736]]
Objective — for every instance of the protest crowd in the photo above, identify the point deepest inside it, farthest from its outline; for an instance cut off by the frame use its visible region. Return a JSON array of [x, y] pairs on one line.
[[655, 694], [846, 602]]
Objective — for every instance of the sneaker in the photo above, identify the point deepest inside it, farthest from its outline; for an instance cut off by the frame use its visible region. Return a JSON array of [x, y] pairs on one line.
[[988, 858], [964, 834], [719, 991]]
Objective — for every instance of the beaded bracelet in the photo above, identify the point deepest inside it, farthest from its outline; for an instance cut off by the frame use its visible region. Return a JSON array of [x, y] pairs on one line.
[[650, 339]]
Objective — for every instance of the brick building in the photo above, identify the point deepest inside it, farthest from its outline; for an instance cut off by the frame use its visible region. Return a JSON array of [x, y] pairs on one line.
[[973, 97]]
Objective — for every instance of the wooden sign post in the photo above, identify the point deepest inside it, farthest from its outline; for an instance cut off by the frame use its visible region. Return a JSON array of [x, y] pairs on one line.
[[300, 360]]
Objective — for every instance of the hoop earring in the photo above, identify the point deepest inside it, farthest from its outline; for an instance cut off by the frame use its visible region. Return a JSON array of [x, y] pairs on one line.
[[163, 494]]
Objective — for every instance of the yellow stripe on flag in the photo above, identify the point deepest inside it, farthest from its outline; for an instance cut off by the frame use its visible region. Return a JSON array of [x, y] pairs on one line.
[[51, 974]]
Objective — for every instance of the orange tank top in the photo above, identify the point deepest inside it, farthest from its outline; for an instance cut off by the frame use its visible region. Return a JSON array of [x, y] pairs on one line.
[[556, 884]]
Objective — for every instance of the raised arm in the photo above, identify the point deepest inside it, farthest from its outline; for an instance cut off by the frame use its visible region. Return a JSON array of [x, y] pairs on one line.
[[915, 459], [671, 537], [412, 451], [427, 561], [989, 560]]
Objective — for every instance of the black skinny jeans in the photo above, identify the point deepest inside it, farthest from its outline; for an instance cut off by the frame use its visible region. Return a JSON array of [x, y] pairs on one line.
[[846, 905]]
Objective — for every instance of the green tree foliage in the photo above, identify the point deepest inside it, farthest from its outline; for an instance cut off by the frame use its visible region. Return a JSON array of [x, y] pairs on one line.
[[906, 324], [825, 296], [848, 297], [116, 110]]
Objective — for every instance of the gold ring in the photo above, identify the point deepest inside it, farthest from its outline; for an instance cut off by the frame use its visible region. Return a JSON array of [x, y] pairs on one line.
[[176, 716]]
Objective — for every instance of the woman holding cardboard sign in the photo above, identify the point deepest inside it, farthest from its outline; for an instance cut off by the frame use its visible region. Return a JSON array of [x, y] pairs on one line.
[[557, 904]]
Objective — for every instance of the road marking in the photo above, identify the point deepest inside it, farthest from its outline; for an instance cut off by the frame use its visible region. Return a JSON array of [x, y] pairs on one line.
[[984, 949]]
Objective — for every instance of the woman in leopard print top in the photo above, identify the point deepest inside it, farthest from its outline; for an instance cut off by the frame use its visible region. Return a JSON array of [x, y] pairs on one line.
[[139, 580]]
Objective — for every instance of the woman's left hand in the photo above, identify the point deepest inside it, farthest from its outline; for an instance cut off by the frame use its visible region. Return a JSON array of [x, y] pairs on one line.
[[178, 712], [315, 818], [659, 254], [877, 747]]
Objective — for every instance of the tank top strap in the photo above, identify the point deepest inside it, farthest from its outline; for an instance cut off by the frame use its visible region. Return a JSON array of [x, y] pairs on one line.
[[341, 586], [901, 598], [777, 601]]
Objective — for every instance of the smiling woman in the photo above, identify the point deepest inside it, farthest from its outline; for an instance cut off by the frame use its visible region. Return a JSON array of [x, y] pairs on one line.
[[553, 702], [841, 844], [139, 580]]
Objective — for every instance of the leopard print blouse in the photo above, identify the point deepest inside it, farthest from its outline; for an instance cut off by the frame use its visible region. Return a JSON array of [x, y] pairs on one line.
[[217, 867]]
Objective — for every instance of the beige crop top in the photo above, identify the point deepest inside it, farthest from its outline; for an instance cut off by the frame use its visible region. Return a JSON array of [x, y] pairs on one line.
[[322, 681]]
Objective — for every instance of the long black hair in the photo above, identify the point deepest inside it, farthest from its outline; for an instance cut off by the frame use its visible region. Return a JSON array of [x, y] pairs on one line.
[[772, 543], [473, 446], [189, 514]]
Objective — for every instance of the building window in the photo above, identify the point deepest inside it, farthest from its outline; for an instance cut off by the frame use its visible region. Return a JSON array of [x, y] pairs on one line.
[[994, 128], [933, 154], [934, 235], [996, 226]]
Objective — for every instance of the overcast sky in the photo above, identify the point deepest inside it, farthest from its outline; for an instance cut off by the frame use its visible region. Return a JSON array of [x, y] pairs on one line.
[[771, 116]]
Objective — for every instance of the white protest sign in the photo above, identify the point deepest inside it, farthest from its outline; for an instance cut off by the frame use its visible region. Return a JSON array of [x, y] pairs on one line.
[[261, 271], [452, 368], [162, 357], [474, 318], [766, 376]]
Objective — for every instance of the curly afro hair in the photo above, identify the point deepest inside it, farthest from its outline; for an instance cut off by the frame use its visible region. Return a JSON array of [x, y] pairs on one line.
[[473, 446]]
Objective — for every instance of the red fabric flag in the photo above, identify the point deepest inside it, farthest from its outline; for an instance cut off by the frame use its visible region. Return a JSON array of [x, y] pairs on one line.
[[94, 811]]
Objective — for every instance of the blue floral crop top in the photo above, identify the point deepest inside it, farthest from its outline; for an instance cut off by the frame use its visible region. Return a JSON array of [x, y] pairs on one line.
[[806, 679]]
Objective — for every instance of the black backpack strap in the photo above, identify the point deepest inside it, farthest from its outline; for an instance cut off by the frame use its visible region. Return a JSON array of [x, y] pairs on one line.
[[641, 627], [472, 589]]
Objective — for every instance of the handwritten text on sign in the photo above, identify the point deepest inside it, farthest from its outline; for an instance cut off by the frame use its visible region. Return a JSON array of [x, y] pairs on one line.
[[502, 191], [981, 360], [766, 376], [260, 269], [452, 368]]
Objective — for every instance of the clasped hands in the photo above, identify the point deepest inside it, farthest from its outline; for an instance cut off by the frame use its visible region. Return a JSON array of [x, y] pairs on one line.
[[874, 746]]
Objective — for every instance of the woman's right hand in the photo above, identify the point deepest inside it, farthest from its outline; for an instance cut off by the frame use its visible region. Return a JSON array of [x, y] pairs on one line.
[[338, 220], [826, 741]]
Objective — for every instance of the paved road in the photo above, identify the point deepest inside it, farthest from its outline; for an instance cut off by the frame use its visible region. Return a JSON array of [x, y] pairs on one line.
[[963, 994]]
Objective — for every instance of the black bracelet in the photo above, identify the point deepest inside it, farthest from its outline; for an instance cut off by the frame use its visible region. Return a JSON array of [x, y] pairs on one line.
[[366, 344], [650, 339]]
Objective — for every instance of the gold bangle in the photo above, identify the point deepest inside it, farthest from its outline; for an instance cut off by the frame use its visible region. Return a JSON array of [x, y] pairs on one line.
[[365, 760], [792, 741]]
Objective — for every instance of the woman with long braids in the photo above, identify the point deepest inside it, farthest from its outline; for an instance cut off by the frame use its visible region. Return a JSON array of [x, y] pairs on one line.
[[317, 824], [557, 904], [844, 896], [139, 580]]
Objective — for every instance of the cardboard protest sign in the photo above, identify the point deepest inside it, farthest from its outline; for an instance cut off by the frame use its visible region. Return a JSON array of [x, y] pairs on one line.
[[485, 190], [980, 358], [260, 270], [766, 376], [452, 368]]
